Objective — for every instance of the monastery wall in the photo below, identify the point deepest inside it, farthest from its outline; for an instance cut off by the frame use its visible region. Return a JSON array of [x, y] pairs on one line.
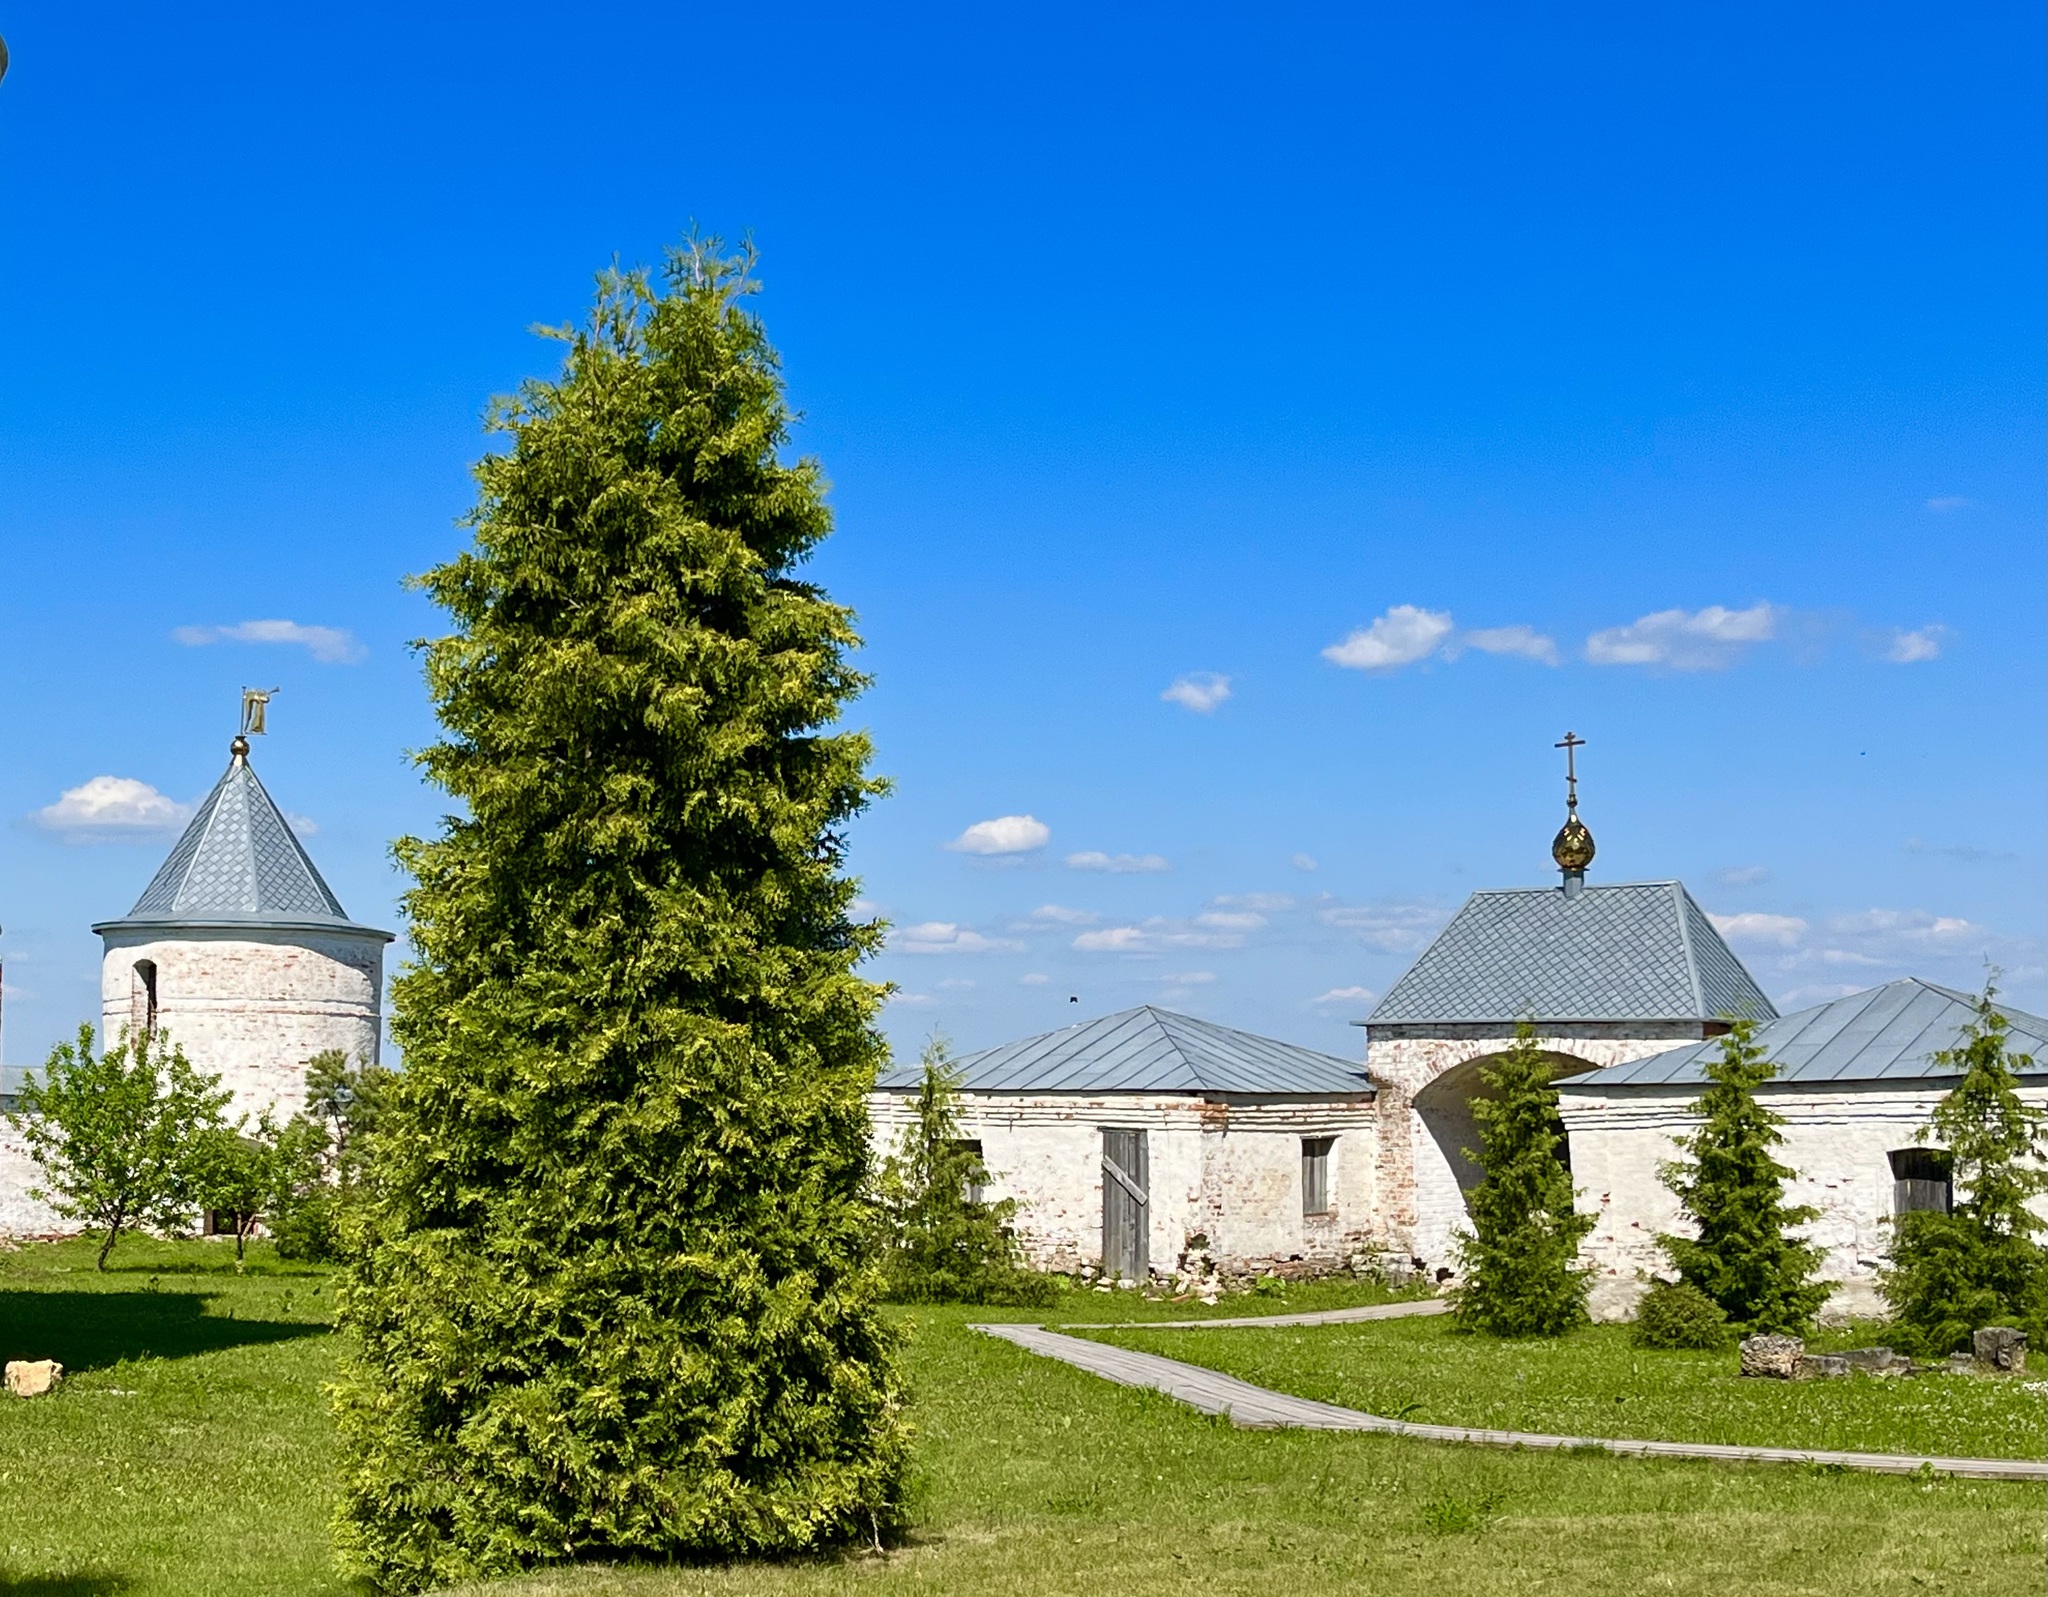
[[251, 1006], [21, 1215], [1838, 1141], [1225, 1176]]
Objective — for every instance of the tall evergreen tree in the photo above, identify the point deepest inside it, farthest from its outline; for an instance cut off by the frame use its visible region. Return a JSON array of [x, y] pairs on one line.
[[612, 1271], [1980, 1263], [1520, 1259], [1733, 1188]]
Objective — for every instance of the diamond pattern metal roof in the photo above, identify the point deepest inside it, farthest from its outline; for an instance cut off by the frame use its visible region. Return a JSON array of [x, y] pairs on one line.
[[1148, 1050], [240, 862], [1635, 951], [1888, 1033]]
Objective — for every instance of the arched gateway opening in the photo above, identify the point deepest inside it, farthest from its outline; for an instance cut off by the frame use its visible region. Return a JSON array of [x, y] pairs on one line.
[[1447, 1167]]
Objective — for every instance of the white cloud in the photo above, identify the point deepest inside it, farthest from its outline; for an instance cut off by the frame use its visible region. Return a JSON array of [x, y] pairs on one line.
[[1231, 920], [1265, 901], [1200, 691], [1743, 875], [1061, 915], [112, 806], [1118, 864], [1910, 648], [1390, 928], [1348, 995], [1942, 504], [1759, 930], [1911, 928], [1006, 834], [304, 825], [1305, 862], [1522, 641], [944, 937], [1033, 978], [1158, 935], [1189, 978], [912, 1000], [1405, 634], [330, 645], [1685, 640]]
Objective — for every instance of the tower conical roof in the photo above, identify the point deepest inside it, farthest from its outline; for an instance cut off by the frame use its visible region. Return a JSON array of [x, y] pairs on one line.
[[239, 864]]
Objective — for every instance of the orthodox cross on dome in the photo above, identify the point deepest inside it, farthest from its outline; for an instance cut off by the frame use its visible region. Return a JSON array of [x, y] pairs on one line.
[[255, 707], [1572, 848]]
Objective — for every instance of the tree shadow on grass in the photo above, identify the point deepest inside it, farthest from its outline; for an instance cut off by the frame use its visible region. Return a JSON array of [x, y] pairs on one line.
[[91, 1330], [63, 1585]]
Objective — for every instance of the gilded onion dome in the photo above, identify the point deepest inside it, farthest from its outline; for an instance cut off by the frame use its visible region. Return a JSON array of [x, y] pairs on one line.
[[1572, 848]]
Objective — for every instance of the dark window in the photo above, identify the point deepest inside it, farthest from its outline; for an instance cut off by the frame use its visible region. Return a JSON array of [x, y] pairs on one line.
[[976, 1188], [144, 1018], [1920, 1181], [1315, 1174]]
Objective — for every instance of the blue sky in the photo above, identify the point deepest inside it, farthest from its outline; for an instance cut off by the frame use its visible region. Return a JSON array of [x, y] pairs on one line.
[[1432, 380]]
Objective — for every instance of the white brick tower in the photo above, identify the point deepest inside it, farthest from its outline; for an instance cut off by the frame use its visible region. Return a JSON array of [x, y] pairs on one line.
[[240, 952]]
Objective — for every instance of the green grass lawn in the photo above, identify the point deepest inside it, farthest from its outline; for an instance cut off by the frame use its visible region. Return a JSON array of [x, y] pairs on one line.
[[190, 1454], [1593, 1383]]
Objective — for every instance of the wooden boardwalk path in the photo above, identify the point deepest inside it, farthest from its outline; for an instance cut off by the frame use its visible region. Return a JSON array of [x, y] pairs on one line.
[[1256, 1407]]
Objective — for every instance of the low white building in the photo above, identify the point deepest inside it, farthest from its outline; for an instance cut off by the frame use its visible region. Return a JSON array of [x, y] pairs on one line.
[[241, 954], [1147, 1141], [1857, 1081]]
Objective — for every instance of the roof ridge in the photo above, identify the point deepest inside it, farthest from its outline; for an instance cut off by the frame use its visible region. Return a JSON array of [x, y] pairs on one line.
[[1686, 909]]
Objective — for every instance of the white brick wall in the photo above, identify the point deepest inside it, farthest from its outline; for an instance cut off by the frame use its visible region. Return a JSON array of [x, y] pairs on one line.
[[1838, 1140], [1229, 1170], [252, 1006]]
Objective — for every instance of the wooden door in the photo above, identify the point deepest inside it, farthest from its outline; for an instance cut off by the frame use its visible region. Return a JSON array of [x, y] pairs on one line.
[[1126, 1205]]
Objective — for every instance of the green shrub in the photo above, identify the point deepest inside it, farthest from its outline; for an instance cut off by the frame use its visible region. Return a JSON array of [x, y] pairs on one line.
[[1675, 1314]]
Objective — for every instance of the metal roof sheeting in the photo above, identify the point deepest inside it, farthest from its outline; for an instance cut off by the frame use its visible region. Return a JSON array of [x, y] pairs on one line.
[[1636, 951], [240, 863], [1889, 1033], [1147, 1050]]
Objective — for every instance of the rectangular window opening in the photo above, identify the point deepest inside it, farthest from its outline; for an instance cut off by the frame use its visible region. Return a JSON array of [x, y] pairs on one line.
[[1921, 1181], [975, 1188], [1315, 1174]]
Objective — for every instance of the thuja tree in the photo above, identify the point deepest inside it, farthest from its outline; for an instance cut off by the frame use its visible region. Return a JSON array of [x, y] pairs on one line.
[[1519, 1261], [943, 1242], [611, 1270], [1980, 1263], [1732, 1188]]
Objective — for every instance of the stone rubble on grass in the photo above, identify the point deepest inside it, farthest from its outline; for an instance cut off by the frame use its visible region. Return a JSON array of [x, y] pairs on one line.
[[1869, 1360], [2001, 1348], [1774, 1356], [33, 1377]]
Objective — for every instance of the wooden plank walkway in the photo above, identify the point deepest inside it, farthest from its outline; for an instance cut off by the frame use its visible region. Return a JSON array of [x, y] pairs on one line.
[[1371, 1311], [1254, 1406]]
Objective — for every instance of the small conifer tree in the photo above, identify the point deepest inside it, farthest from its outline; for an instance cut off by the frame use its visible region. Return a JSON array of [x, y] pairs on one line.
[[1519, 1261], [945, 1243], [611, 1275], [1733, 1189], [1980, 1263]]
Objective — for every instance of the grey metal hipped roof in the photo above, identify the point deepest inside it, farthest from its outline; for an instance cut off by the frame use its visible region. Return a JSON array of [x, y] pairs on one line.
[[1637, 951], [1148, 1050], [240, 864], [1888, 1033]]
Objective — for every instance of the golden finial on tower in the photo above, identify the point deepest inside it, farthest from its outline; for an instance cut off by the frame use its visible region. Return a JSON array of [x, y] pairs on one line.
[[1572, 848]]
